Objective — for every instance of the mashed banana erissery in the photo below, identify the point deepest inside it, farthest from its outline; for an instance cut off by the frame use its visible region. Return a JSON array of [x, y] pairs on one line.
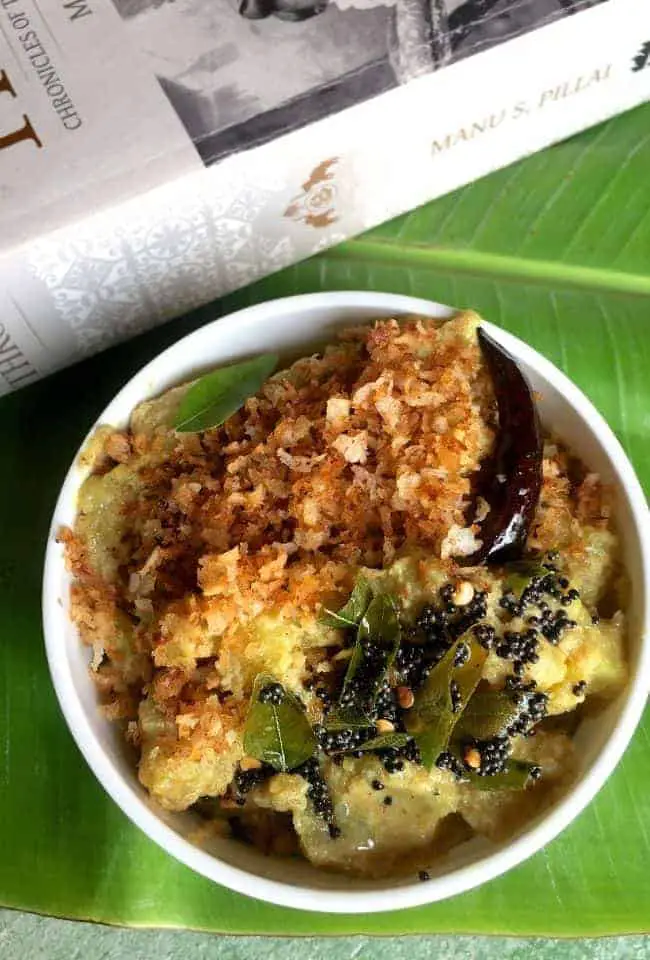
[[291, 616]]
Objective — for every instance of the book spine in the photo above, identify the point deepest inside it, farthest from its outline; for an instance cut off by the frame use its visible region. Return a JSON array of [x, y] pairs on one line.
[[75, 291]]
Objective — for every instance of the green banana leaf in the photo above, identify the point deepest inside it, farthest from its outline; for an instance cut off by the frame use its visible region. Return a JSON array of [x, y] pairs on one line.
[[555, 249]]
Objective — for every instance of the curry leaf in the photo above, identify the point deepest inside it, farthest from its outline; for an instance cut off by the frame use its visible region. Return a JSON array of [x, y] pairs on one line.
[[217, 395], [385, 741], [350, 614], [278, 734], [521, 573], [432, 718], [380, 623], [488, 714], [516, 776], [340, 719], [378, 638]]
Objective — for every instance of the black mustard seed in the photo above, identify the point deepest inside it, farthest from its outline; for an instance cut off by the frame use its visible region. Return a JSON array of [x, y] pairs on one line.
[[272, 693]]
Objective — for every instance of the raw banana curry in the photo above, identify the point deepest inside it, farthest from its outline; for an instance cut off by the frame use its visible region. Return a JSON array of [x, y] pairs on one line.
[[353, 610]]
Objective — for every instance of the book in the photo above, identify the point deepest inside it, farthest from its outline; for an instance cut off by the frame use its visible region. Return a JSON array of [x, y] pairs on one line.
[[157, 154]]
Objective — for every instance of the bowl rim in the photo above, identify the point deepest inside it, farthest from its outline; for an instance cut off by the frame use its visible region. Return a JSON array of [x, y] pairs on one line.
[[277, 892]]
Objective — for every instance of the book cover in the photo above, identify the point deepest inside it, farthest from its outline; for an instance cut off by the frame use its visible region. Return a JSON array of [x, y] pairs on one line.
[[155, 154]]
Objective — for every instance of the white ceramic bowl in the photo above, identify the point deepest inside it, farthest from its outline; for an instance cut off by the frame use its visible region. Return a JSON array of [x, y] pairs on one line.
[[284, 325]]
